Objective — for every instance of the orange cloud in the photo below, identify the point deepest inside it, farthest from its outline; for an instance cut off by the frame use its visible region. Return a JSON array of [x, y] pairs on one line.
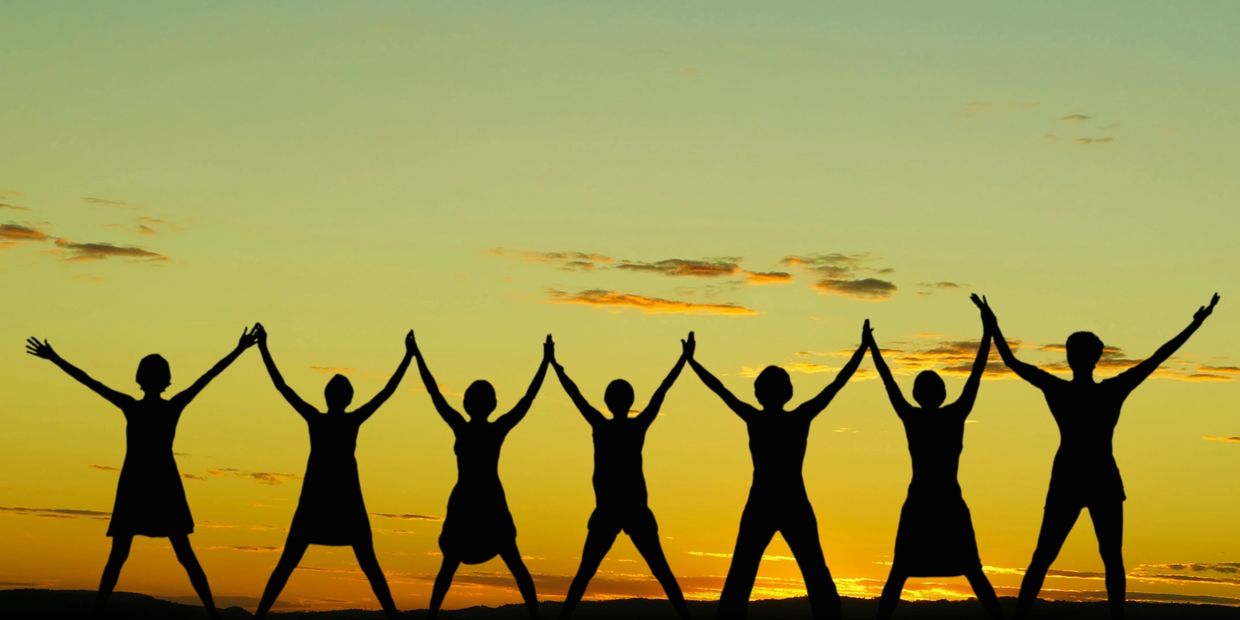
[[79, 252], [647, 305], [265, 477], [846, 275], [767, 277], [56, 513], [18, 232]]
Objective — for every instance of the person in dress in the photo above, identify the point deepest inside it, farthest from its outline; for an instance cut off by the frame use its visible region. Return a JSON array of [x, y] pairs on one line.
[[935, 537], [150, 499], [478, 525], [1084, 473], [777, 499], [620, 483], [330, 510]]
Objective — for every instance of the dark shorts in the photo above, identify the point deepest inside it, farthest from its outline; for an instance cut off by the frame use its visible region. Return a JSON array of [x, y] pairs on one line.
[[631, 521]]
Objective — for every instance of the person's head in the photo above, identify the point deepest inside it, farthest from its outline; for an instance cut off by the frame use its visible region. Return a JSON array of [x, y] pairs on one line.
[[773, 387], [479, 400], [1084, 349], [338, 393], [153, 374], [619, 398], [928, 389]]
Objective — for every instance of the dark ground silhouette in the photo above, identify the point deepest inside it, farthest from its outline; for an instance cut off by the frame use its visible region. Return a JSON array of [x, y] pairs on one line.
[[478, 525], [620, 484], [150, 498], [1084, 473], [29, 604], [330, 510], [935, 537], [777, 499]]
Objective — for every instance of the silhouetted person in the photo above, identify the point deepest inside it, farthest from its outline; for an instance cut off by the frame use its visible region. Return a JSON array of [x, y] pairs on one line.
[[935, 537], [150, 499], [330, 510], [620, 485], [478, 525], [777, 499], [1084, 474]]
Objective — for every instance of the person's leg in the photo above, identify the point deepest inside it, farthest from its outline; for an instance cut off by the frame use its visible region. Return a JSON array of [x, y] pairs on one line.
[[751, 540], [365, 553], [1057, 521], [112, 571], [525, 583], [891, 593], [442, 581], [598, 542], [646, 538], [293, 550], [985, 593], [1108, 518], [197, 578], [801, 533]]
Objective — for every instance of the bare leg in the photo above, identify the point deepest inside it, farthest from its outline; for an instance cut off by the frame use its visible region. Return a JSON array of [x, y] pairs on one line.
[[442, 582], [891, 593], [525, 583], [1056, 523], [598, 543], [802, 537], [1108, 521], [751, 540], [197, 578], [985, 593], [112, 571], [293, 550], [647, 543], [365, 553]]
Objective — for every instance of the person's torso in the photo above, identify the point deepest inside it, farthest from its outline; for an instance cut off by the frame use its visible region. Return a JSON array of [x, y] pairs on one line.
[[618, 476]]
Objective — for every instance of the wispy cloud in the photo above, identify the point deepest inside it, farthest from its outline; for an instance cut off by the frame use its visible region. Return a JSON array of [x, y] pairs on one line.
[[570, 261], [647, 305], [978, 108], [20, 232], [95, 200], [56, 513], [13, 207], [103, 467], [1075, 118], [406, 516], [847, 275], [1221, 438], [79, 252], [1100, 140], [265, 477], [709, 268], [767, 277]]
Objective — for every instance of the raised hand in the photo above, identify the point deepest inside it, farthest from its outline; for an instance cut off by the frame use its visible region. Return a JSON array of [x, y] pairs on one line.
[[1205, 311], [549, 349], [411, 345], [248, 337], [988, 315], [688, 346], [260, 334], [867, 335], [40, 349]]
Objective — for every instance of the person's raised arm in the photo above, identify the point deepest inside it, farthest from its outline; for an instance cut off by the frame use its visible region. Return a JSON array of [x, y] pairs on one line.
[[815, 405], [656, 400], [1034, 375], [738, 406], [898, 402], [44, 350], [367, 410], [592, 415], [248, 338], [971, 385], [510, 419], [1133, 377], [445, 411], [302, 408]]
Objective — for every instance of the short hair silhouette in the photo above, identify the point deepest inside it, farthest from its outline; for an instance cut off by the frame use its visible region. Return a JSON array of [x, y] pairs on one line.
[[619, 398], [479, 399], [929, 390], [153, 374], [338, 393], [1084, 349], [773, 387]]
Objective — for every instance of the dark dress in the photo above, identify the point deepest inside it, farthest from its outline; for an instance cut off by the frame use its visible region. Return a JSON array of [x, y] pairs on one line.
[[330, 510], [935, 537], [619, 484], [478, 524], [150, 499], [1085, 472]]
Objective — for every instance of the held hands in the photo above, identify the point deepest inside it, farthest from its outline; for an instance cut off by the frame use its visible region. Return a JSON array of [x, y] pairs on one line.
[[260, 335], [988, 315], [688, 346], [411, 345], [249, 337], [40, 349], [549, 350], [867, 336], [1204, 311]]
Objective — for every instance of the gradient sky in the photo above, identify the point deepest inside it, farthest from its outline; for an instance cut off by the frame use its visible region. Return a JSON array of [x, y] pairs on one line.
[[615, 174]]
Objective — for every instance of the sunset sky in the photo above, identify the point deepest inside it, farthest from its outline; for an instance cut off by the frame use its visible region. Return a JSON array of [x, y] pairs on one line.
[[617, 175]]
